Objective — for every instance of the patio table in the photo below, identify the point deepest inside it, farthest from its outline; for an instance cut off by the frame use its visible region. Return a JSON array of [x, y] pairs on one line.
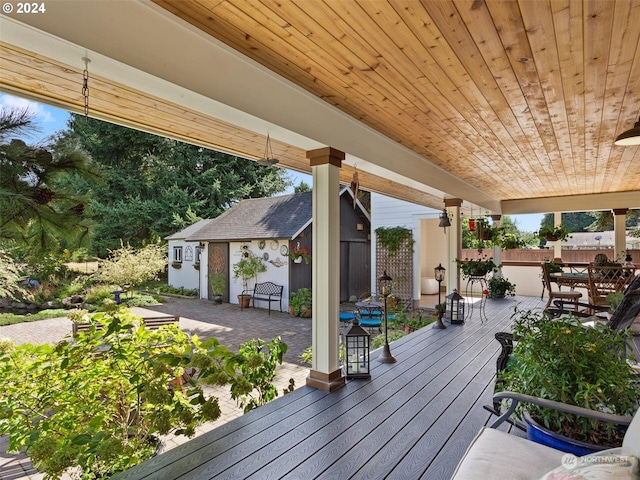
[[571, 279]]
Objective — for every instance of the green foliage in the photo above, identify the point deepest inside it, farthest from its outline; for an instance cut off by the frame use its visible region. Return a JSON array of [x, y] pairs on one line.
[[38, 209], [392, 238], [500, 286], [307, 355], [302, 187], [128, 267], [248, 267], [217, 282], [550, 232], [378, 340], [301, 300], [11, 274], [564, 361], [155, 186], [476, 267], [507, 236], [253, 387], [95, 402], [12, 318]]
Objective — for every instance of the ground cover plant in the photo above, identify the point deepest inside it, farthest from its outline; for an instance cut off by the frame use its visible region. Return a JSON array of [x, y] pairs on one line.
[[99, 401]]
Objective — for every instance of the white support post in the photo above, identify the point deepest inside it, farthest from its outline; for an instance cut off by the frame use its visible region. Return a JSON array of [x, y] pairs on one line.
[[454, 243], [557, 248], [619, 233], [325, 166]]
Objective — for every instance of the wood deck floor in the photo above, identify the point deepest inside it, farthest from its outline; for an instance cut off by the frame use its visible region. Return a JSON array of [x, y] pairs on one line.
[[413, 419]]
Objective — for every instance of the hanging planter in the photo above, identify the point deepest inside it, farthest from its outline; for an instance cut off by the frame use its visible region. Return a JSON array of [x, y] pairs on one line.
[[297, 260]]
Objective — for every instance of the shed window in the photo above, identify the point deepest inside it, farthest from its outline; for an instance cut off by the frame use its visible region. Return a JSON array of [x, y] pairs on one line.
[[177, 254]]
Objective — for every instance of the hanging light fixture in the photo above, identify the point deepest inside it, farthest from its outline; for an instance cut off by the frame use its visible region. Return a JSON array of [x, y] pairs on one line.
[[268, 160], [630, 137], [444, 219]]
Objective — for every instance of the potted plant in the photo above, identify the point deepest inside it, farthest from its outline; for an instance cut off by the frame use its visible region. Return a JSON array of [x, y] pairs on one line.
[[499, 287], [217, 282], [300, 254], [100, 402], [300, 303], [552, 234], [248, 267], [476, 267], [563, 360]]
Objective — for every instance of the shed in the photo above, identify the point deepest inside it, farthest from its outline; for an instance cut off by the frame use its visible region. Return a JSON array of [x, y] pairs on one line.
[[270, 227]]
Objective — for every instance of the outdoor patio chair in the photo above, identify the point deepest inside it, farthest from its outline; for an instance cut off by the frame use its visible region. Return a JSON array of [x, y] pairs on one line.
[[571, 295], [607, 279], [497, 454]]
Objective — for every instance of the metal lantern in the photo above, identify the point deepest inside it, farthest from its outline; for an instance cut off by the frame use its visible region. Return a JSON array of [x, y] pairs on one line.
[[384, 287], [444, 219], [455, 307], [357, 349], [439, 272], [384, 284]]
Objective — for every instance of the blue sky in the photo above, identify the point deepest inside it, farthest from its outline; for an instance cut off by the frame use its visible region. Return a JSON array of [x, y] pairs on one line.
[[51, 119]]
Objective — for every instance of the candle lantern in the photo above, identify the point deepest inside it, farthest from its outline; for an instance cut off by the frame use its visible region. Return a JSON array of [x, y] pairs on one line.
[[357, 349], [384, 287], [439, 272], [455, 307]]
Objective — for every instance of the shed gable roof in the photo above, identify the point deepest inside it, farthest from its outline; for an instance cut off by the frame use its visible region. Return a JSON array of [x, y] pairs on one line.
[[259, 218], [190, 230]]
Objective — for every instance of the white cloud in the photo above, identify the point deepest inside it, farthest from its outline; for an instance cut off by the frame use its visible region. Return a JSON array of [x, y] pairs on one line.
[[39, 112]]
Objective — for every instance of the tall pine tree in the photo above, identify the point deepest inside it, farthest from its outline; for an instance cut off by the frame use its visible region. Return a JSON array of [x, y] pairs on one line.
[[155, 186]]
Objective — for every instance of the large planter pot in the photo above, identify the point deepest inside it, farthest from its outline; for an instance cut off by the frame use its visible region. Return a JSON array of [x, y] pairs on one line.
[[244, 300], [537, 433], [305, 312]]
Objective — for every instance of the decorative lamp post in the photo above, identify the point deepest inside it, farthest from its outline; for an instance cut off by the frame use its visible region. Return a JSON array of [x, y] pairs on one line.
[[384, 287], [356, 351], [455, 307], [439, 275]]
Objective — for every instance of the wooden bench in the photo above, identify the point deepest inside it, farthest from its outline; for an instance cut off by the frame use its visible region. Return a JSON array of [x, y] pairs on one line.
[[152, 323], [265, 292]]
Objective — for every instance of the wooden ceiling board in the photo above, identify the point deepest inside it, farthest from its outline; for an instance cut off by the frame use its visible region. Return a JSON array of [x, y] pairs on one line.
[[520, 99], [479, 88]]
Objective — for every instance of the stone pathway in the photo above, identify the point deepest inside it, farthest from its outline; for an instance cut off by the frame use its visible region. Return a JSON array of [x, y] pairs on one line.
[[226, 322]]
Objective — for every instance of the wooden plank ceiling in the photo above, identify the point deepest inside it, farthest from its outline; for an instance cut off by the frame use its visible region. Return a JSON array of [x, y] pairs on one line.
[[521, 99]]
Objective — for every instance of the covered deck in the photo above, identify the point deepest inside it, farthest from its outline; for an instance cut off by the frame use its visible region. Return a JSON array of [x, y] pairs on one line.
[[413, 419]]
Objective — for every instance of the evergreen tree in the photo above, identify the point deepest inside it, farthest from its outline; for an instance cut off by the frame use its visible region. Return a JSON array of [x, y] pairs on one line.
[[156, 186], [38, 210]]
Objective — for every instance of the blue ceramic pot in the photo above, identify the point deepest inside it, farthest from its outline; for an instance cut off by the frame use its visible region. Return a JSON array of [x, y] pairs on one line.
[[537, 433]]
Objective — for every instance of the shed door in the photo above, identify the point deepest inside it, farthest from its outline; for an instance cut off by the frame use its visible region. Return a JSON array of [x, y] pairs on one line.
[[219, 262], [355, 269]]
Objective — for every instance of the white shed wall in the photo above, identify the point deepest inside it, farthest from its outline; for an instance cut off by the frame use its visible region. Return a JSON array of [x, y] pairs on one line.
[[278, 275], [186, 276]]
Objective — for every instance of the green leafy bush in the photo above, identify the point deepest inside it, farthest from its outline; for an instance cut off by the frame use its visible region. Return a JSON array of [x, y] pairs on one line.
[[96, 402], [563, 360], [253, 386]]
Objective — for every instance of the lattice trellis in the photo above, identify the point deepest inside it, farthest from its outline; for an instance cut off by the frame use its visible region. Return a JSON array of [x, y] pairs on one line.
[[398, 266]]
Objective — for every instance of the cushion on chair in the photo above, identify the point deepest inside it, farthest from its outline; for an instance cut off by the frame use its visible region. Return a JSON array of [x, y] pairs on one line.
[[500, 455], [605, 465], [347, 316]]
